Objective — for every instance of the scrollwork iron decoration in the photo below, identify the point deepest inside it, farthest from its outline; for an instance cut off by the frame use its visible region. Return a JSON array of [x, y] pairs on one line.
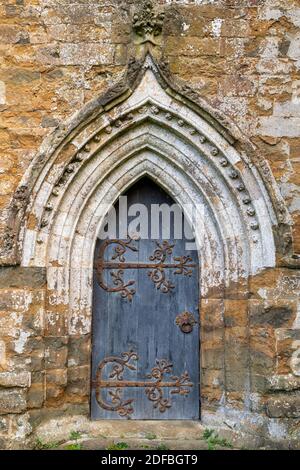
[[182, 265], [154, 387]]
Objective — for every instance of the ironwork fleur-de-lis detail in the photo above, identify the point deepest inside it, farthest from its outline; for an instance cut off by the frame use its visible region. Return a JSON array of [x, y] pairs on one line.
[[180, 265], [154, 387], [157, 275], [119, 285], [155, 393], [122, 407]]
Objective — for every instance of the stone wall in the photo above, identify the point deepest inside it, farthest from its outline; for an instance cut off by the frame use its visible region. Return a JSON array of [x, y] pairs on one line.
[[242, 57]]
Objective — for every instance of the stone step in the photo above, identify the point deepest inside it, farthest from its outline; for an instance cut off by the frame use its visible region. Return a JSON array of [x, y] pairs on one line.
[[138, 444]]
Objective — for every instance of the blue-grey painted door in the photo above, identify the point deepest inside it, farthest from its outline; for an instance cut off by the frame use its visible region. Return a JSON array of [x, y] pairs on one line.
[[145, 345]]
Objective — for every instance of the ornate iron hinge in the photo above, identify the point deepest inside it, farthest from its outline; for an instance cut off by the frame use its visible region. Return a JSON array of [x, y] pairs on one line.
[[153, 388], [180, 265]]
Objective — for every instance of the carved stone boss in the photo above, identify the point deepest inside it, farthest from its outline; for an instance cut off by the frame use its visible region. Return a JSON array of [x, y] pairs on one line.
[[147, 25], [181, 265]]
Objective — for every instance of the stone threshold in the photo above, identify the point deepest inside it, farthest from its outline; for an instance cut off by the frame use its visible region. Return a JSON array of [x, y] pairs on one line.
[[123, 443], [60, 430], [163, 429]]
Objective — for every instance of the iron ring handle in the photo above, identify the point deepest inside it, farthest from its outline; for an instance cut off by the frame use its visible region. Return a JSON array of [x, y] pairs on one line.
[[186, 322]]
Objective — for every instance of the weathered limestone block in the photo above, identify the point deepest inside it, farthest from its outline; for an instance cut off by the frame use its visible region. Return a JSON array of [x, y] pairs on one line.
[[36, 396], [4, 425], [79, 350], [213, 349], [259, 383], [235, 313], [284, 406], [12, 401], [288, 351], [286, 383], [18, 300], [56, 352], [2, 355], [22, 277], [262, 356], [56, 381], [211, 313], [193, 46], [17, 76], [14, 379], [2, 93], [72, 34], [78, 383], [120, 33], [87, 54], [212, 384], [20, 430], [56, 312], [276, 313], [36, 353], [261, 363], [280, 126], [273, 284], [236, 359]]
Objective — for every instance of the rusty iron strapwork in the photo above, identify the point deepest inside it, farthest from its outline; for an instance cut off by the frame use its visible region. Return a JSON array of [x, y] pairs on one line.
[[181, 265], [186, 322], [178, 385], [153, 388], [122, 407]]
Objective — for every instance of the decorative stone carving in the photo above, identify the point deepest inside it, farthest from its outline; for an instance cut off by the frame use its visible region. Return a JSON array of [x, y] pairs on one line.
[[49, 207], [246, 200], [21, 197], [55, 191], [204, 137], [78, 157], [147, 25], [251, 211], [233, 174], [8, 241]]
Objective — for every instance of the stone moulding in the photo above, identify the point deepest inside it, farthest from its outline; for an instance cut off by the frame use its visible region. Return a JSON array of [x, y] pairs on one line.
[[12, 240], [145, 126]]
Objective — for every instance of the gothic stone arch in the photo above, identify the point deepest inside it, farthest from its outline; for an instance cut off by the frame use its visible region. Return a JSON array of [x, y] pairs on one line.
[[150, 126]]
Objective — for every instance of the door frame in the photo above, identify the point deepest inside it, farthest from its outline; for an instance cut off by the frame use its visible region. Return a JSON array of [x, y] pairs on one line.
[[98, 307]]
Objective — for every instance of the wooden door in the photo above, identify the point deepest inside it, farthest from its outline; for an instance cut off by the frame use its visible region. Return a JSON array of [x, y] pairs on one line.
[[145, 346]]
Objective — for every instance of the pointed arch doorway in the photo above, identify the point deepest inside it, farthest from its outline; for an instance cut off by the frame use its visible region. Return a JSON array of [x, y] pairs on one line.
[[150, 126], [145, 347]]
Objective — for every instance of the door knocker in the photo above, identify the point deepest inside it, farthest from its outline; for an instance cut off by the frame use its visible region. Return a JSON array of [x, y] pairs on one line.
[[186, 322]]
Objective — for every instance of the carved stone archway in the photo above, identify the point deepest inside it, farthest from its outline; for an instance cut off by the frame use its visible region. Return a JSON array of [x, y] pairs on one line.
[[146, 127]]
